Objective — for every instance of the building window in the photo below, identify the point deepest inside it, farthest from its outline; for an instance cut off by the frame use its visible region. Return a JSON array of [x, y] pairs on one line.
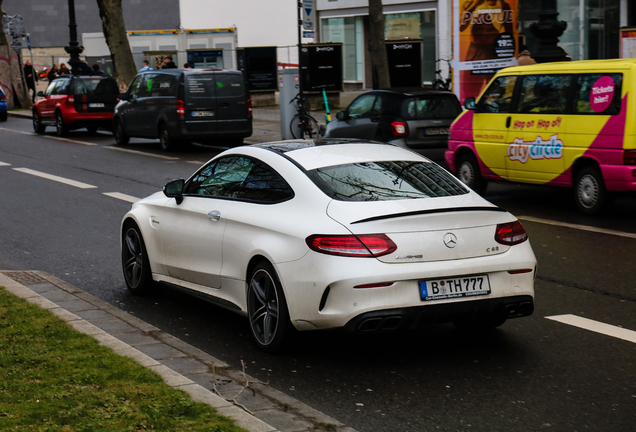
[[416, 25], [348, 31]]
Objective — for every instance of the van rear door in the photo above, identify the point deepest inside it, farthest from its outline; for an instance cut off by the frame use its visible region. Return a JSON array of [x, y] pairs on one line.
[[95, 94], [200, 104], [233, 119]]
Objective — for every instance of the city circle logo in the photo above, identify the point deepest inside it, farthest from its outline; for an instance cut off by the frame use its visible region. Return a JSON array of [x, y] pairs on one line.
[[522, 151]]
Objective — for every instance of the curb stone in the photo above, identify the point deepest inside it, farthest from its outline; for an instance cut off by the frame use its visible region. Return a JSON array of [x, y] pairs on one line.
[[205, 378]]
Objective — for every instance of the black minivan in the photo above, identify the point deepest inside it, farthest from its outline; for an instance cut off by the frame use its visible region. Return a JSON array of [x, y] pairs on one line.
[[179, 106]]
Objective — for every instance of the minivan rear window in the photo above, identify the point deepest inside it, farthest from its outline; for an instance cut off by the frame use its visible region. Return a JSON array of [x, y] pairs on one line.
[[96, 86], [431, 107]]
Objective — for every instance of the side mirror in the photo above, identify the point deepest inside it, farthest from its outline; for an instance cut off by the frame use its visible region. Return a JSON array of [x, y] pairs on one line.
[[469, 103], [123, 96], [40, 94], [174, 189], [342, 115]]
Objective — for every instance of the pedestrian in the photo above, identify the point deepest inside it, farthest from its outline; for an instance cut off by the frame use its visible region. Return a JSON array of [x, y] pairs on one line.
[[168, 63], [97, 70], [524, 56], [52, 73], [146, 67], [31, 77], [85, 69], [187, 66], [64, 70]]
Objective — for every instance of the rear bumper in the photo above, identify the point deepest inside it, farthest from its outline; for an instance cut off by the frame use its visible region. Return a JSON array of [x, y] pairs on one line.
[[77, 120], [413, 317], [619, 178]]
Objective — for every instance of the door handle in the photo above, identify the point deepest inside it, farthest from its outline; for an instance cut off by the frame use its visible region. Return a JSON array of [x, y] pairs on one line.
[[508, 122], [214, 215]]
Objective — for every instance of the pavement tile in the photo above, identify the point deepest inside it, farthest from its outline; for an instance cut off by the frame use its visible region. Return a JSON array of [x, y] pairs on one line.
[[135, 338], [75, 305], [284, 421], [171, 377], [94, 315], [113, 325], [201, 394], [110, 341], [186, 366], [138, 356], [160, 351], [42, 302], [86, 327], [244, 420], [65, 315], [41, 288], [57, 295]]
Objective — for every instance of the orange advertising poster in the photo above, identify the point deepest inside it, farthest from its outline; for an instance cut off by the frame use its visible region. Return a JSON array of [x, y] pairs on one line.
[[485, 40]]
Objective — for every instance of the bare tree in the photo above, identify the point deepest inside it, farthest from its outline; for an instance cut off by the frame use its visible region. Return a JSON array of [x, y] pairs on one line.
[[379, 62], [112, 16], [11, 72]]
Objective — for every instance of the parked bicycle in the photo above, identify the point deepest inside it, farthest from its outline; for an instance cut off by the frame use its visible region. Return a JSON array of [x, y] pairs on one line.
[[303, 125], [441, 83]]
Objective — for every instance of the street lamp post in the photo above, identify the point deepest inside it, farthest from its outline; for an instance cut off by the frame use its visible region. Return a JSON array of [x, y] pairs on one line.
[[74, 49], [548, 30]]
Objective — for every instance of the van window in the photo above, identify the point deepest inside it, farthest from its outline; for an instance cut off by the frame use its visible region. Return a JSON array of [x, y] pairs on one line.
[[135, 90], [201, 86], [498, 97], [431, 107], [160, 85], [545, 94], [598, 94], [229, 85]]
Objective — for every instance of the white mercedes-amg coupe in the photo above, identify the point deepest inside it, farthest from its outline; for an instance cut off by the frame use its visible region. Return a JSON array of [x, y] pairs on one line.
[[324, 234]]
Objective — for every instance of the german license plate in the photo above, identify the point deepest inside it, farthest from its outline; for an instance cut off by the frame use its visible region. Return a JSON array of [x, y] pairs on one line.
[[202, 113], [437, 131], [465, 286], [96, 105]]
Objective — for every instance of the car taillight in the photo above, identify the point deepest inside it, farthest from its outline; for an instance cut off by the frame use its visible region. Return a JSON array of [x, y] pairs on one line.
[[249, 106], [510, 233], [180, 108], [398, 128], [70, 100], [629, 157], [365, 246]]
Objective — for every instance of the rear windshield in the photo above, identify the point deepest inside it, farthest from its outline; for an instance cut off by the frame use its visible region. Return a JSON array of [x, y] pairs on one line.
[[384, 181], [431, 107], [96, 86]]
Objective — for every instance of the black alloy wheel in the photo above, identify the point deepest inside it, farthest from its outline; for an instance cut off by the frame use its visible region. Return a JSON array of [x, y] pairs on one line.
[[134, 260], [37, 123], [267, 309], [120, 137], [60, 127]]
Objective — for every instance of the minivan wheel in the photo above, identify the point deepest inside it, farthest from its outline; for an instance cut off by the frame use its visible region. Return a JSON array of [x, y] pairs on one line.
[[468, 172], [120, 137], [165, 141], [60, 127], [590, 194]]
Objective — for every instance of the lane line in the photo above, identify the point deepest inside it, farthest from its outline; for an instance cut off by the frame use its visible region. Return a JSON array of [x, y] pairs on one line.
[[17, 131], [50, 137], [578, 227], [121, 196], [195, 162], [143, 153], [4, 164], [596, 326], [56, 178]]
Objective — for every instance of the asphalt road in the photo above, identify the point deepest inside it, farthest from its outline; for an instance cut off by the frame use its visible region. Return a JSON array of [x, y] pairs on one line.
[[569, 367]]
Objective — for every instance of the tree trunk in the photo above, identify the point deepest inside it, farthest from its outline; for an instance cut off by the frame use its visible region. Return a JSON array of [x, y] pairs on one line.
[[11, 72], [114, 29], [379, 62]]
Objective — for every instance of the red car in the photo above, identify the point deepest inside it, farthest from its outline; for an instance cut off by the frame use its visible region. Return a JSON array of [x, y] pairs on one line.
[[75, 102]]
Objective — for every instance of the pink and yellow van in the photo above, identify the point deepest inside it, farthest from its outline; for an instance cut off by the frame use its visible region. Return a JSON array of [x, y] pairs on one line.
[[564, 124]]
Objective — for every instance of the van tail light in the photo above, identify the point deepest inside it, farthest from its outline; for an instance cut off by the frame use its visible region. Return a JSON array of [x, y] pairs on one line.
[[180, 108], [249, 106], [511, 233], [362, 246], [629, 157], [398, 128]]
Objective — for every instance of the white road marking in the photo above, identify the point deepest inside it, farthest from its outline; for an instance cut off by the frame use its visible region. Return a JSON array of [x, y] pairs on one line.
[[122, 196], [578, 227], [4, 164], [143, 153], [51, 137], [17, 131], [195, 162], [56, 178], [596, 326]]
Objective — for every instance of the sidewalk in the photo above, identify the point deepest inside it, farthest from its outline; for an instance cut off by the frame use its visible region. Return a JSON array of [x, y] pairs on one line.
[[252, 404]]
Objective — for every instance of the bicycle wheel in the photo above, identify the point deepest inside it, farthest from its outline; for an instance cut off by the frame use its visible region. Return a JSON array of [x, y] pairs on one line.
[[302, 127]]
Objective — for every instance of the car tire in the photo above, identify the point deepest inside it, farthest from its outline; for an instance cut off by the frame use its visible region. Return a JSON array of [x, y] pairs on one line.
[[165, 141], [120, 136], [468, 172], [267, 309], [590, 194], [3, 117], [134, 260], [38, 127], [61, 128]]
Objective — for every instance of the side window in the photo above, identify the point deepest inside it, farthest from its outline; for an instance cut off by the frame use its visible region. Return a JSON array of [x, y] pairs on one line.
[[135, 90], [61, 87], [545, 94], [498, 96], [362, 107], [228, 85], [598, 94], [160, 85], [49, 89], [265, 185], [222, 178]]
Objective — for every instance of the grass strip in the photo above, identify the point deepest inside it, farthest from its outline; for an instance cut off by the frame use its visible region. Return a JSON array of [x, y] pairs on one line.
[[54, 378]]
